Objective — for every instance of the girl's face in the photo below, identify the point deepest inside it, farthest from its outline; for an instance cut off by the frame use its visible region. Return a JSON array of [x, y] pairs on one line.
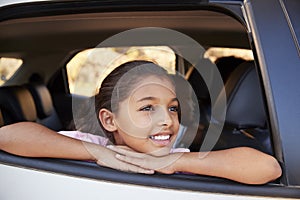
[[147, 121]]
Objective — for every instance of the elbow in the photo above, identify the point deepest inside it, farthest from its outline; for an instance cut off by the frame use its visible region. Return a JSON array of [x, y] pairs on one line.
[[269, 171], [3, 138], [275, 170], [264, 168]]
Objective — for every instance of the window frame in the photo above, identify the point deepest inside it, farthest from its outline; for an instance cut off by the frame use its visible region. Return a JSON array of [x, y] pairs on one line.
[[192, 183]]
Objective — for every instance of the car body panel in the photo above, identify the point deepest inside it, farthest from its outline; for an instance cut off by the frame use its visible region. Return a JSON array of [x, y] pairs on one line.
[[48, 186]]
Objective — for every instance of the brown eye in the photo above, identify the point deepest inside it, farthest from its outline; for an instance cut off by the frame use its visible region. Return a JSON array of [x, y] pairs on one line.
[[147, 108], [173, 109]]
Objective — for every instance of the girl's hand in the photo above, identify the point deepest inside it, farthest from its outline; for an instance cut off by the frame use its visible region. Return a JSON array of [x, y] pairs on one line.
[[163, 164], [107, 158]]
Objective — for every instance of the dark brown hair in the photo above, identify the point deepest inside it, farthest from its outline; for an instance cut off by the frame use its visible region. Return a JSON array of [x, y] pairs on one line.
[[115, 88]]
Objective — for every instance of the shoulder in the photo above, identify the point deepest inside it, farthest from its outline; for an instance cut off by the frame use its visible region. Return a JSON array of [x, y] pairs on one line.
[[179, 150], [87, 137]]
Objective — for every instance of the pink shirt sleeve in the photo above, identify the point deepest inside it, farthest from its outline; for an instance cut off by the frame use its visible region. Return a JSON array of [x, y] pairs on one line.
[[179, 150], [87, 137]]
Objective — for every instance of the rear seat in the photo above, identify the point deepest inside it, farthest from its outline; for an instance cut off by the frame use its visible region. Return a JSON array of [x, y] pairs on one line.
[[46, 113], [16, 105], [246, 119], [29, 102]]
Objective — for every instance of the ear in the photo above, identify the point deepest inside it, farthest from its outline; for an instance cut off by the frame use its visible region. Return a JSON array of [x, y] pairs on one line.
[[106, 118]]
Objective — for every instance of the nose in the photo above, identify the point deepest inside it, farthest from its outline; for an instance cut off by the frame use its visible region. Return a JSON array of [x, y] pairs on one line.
[[164, 117]]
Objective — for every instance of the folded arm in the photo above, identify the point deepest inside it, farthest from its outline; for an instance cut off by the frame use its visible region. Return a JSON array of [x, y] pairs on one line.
[[33, 140], [242, 164]]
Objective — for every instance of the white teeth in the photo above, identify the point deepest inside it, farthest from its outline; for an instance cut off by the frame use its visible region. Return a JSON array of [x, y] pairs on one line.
[[160, 137]]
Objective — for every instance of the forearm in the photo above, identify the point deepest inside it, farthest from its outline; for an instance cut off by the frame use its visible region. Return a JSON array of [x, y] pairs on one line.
[[242, 164], [33, 140]]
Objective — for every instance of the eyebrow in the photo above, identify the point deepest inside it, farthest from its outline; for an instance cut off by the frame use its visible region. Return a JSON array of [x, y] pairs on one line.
[[154, 98]]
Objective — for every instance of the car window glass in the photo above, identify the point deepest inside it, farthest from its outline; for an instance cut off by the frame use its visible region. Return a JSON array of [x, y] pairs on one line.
[[88, 67], [8, 66]]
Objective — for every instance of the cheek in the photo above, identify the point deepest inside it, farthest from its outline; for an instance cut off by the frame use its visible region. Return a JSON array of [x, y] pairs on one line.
[[176, 124], [137, 144], [135, 126], [143, 120], [130, 121], [140, 120]]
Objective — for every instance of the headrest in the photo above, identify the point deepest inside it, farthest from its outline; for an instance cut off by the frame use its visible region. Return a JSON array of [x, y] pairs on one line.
[[42, 99], [245, 106], [227, 64], [16, 104]]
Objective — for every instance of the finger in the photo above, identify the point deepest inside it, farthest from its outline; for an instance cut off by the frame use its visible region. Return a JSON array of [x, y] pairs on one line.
[[126, 152], [123, 166], [150, 162], [136, 169], [132, 160]]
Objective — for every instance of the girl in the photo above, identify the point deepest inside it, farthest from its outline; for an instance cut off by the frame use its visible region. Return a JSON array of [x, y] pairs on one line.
[[138, 110]]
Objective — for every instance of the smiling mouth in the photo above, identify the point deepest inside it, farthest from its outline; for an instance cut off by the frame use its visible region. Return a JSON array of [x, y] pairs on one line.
[[160, 139]]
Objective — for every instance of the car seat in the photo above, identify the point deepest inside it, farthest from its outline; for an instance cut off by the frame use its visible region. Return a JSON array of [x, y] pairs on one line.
[[227, 64], [16, 105], [246, 119], [46, 113]]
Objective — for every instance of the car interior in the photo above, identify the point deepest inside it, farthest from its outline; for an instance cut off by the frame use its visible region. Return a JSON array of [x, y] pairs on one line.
[[46, 41]]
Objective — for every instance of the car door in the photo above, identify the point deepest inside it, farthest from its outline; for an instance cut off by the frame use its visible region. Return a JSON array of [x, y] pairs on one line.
[[276, 40], [278, 58]]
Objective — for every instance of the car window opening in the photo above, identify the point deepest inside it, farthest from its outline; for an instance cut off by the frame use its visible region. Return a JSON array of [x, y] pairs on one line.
[[88, 68]]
